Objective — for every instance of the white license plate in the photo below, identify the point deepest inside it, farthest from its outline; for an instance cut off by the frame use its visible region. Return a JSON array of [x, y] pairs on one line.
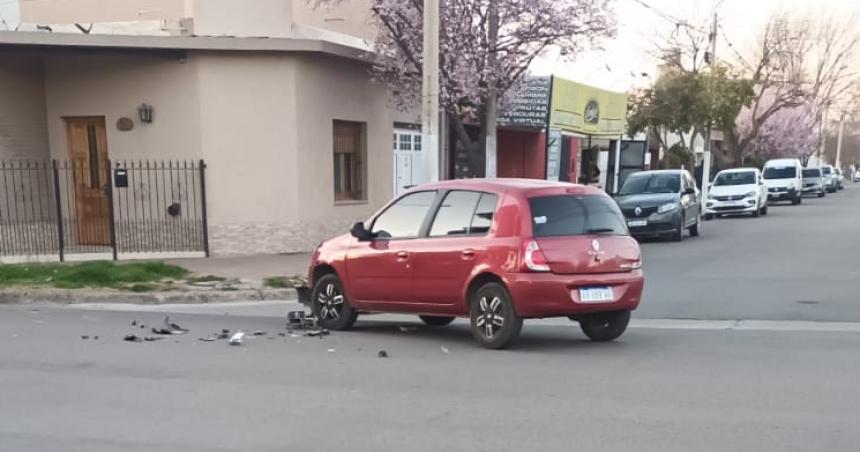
[[637, 223], [596, 295]]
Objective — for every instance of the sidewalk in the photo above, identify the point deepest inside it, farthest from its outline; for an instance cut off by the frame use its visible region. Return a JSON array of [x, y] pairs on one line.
[[249, 268]]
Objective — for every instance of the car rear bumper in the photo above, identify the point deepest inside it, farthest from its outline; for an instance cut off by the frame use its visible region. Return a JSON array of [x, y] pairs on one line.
[[539, 295]]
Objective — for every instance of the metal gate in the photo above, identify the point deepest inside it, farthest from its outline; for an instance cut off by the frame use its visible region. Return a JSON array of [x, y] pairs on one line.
[[58, 208]]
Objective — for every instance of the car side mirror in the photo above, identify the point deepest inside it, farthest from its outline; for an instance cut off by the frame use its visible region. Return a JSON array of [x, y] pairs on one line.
[[690, 191], [360, 232]]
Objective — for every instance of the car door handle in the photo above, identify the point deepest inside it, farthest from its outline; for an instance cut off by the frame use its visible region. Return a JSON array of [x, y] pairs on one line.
[[402, 255], [468, 254]]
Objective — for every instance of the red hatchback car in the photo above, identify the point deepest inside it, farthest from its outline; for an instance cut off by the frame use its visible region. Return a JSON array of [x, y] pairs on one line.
[[498, 251]]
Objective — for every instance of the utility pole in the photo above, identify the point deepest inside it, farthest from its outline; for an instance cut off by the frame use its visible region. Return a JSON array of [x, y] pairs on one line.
[[822, 130], [839, 141], [706, 156], [490, 164], [430, 93]]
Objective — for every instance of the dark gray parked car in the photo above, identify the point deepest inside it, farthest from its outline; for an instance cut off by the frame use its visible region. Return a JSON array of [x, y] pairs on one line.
[[661, 203]]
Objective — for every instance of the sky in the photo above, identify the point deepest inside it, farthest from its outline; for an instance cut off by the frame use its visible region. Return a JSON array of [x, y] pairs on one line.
[[620, 65]]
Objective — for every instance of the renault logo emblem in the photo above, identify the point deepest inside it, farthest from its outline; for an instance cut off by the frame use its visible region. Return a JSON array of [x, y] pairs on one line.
[[637, 211], [595, 250]]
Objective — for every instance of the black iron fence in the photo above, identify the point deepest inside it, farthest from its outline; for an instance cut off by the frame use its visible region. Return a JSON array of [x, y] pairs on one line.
[[51, 207]]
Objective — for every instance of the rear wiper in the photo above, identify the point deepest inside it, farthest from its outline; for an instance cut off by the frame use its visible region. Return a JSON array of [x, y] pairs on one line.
[[599, 230]]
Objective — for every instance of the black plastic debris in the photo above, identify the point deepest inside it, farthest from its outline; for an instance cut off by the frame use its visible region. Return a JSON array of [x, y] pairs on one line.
[[212, 338], [282, 334], [134, 323], [154, 338], [318, 333], [259, 333], [85, 337], [382, 354], [225, 334], [169, 328], [132, 338], [95, 338]]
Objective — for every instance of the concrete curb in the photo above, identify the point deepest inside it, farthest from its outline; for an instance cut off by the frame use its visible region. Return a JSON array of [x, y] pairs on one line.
[[30, 296]]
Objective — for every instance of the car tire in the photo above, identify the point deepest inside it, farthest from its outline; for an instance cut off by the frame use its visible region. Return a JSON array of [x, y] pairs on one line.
[[757, 212], [822, 194], [432, 320], [678, 235], [796, 201], [709, 216], [495, 323], [764, 210], [605, 326], [330, 304]]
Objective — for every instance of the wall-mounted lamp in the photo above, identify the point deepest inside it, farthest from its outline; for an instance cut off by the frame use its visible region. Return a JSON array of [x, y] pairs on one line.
[[145, 112]]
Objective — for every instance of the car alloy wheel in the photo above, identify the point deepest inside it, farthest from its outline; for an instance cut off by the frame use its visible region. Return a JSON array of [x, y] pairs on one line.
[[330, 304], [491, 319], [495, 324]]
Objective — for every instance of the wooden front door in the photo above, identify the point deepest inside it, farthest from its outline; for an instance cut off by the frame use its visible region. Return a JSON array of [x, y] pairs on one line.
[[89, 159]]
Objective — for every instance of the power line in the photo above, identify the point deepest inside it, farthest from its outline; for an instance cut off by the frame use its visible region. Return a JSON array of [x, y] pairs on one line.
[[732, 46], [670, 18]]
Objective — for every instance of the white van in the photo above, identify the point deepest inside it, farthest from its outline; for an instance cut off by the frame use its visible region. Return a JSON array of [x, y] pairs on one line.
[[784, 180]]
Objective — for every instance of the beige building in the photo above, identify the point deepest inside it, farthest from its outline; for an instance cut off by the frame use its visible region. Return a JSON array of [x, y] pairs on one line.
[[295, 136]]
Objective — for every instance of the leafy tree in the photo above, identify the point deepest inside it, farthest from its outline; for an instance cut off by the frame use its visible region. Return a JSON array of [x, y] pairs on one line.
[[472, 59], [687, 103]]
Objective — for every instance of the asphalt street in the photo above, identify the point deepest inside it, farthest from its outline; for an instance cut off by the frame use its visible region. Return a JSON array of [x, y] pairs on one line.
[[796, 263], [721, 356]]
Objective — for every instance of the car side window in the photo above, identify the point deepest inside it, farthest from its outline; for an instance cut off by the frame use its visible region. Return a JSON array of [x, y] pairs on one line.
[[403, 219], [482, 221], [454, 216]]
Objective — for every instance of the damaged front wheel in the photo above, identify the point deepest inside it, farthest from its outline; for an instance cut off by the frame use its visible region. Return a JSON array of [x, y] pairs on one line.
[[330, 305]]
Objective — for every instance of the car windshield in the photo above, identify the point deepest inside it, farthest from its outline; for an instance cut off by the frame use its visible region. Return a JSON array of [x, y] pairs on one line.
[[780, 173], [564, 215], [814, 172], [827, 171], [735, 178], [651, 183]]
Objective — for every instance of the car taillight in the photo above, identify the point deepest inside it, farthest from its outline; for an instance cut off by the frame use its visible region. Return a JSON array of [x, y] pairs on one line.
[[533, 258]]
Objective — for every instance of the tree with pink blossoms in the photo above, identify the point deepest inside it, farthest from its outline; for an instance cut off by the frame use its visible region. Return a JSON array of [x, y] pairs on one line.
[[472, 61], [789, 132]]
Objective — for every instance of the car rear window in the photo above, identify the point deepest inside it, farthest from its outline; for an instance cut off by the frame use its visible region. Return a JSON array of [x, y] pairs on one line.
[[564, 215], [812, 172]]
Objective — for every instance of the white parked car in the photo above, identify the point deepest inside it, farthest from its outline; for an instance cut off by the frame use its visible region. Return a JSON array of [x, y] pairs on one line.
[[784, 180], [830, 180], [840, 179], [857, 176], [737, 191]]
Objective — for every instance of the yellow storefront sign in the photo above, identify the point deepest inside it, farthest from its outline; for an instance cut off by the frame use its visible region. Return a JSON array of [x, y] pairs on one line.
[[587, 110]]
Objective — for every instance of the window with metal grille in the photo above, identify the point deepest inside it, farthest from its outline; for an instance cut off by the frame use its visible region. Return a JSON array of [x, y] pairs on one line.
[[349, 157]]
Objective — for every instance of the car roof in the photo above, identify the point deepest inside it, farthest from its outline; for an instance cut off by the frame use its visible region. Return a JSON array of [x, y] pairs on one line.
[[739, 170], [664, 171], [506, 185], [781, 162]]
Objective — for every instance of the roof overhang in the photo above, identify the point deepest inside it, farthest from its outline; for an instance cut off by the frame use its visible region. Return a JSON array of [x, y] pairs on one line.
[[202, 43]]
